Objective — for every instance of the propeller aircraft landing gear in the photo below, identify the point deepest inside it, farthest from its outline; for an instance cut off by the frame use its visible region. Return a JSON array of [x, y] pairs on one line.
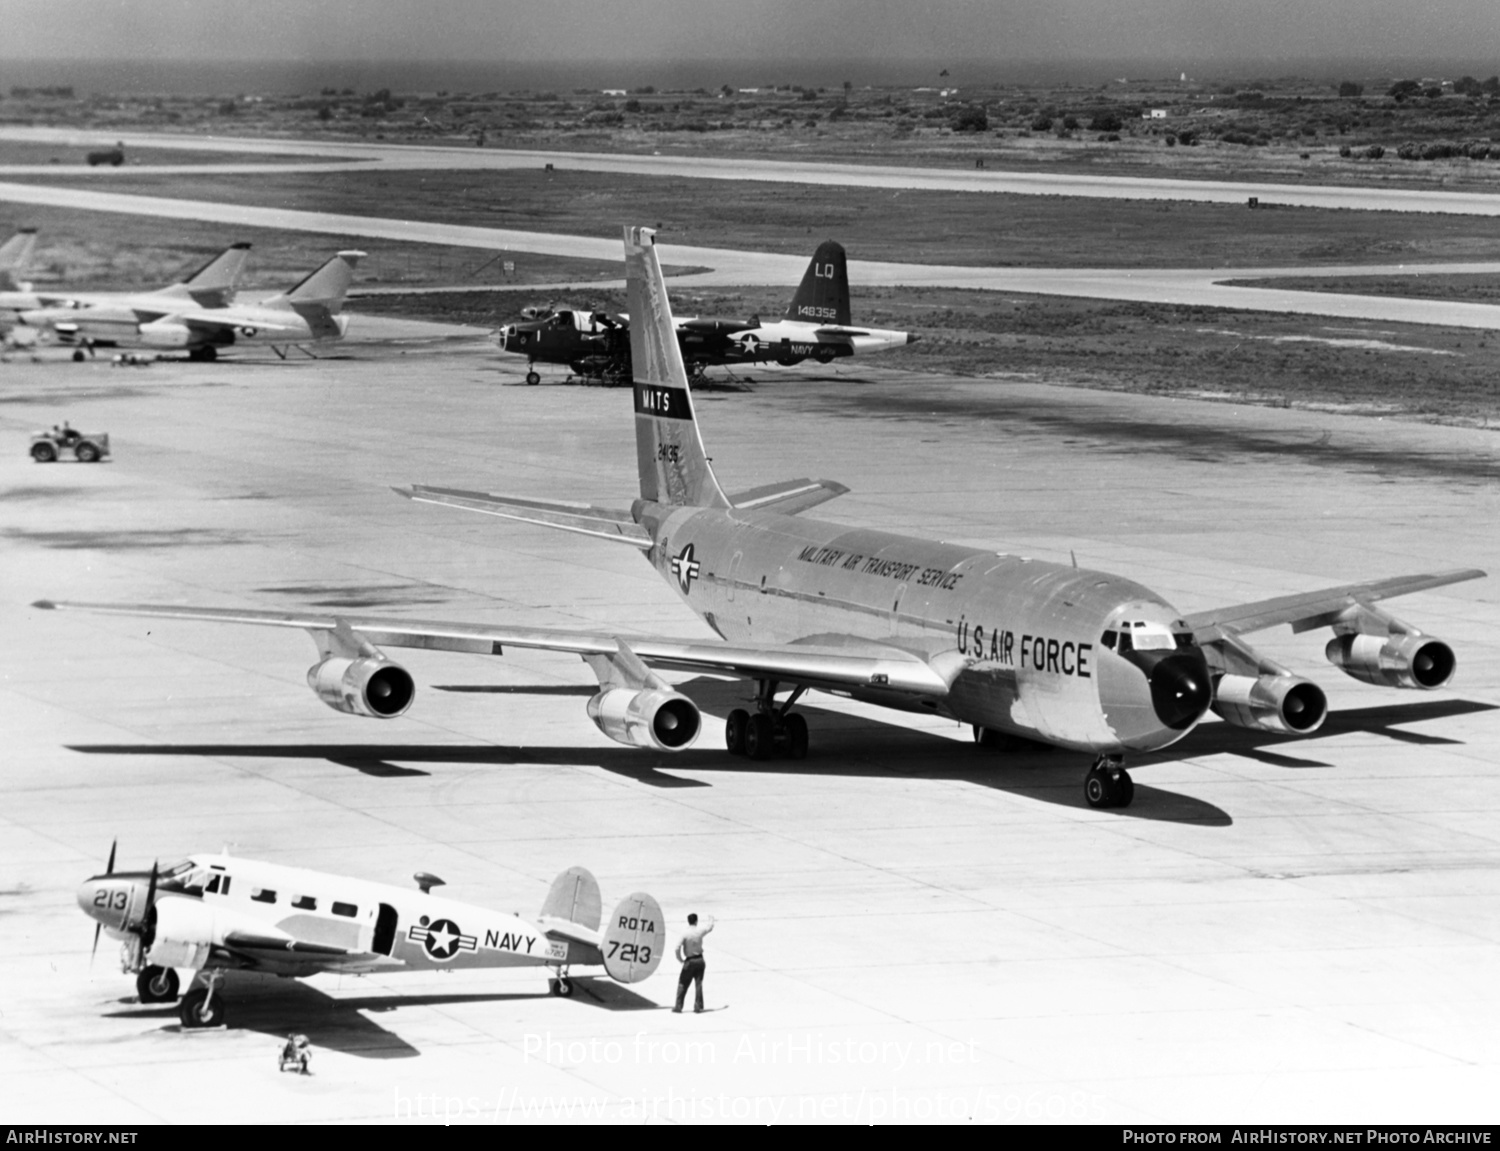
[[773, 730], [202, 1006], [561, 986], [156, 985], [1108, 784]]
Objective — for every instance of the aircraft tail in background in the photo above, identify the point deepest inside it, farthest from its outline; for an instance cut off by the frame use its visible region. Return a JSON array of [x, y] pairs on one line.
[[823, 295]]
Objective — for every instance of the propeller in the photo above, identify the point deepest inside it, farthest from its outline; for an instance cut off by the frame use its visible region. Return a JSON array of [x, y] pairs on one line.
[[148, 917], [109, 869]]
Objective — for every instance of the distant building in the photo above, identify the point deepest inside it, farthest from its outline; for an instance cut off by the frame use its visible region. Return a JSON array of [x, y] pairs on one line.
[[614, 91], [1154, 114], [749, 91]]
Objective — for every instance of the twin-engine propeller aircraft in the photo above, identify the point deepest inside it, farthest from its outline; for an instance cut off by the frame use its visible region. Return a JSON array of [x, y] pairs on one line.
[[1014, 646], [816, 326], [184, 318], [211, 914]]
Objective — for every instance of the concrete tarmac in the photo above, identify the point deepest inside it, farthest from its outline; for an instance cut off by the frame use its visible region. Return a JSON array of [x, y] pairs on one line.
[[908, 928]]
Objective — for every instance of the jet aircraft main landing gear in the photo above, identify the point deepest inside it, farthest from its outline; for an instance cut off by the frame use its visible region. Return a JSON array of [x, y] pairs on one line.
[[773, 730], [1108, 784], [203, 1006]]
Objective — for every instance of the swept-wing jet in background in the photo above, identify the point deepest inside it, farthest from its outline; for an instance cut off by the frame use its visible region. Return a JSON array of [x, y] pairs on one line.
[[211, 913], [15, 258], [105, 318], [816, 326], [1014, 646], [308, 313]]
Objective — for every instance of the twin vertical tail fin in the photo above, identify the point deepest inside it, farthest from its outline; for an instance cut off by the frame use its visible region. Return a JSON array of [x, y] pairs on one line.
[[15, 257], [823, 295], [574, 898], [674, 468]]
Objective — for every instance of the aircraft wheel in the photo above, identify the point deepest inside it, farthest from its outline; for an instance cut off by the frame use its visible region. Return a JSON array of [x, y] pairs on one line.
[[533, 378], [196, 1010], [734, 730], [1096, 788], [1125, 790], [78, 356], [565, 987], [43, 453], [796, 737], [157, 985], [87, 453], [760, 740]]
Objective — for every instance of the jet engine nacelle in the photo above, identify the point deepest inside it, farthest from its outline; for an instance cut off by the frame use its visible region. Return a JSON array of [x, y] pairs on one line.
[[1286, 704], [366, 686], [165, 334], [653, 718], [1417, 661], [184, 933]]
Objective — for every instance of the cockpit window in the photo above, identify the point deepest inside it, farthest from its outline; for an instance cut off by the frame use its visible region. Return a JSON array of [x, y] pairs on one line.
[[1184, 640], [1108, 639]]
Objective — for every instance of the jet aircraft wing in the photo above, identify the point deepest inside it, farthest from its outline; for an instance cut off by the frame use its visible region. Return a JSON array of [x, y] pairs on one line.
[[1308, 610], [227, 318], [834, 661]]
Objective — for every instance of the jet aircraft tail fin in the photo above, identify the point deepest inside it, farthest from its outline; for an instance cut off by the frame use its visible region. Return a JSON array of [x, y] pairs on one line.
[[823, 295], [574, 898], [674, 468], [324, 288], [215, 284], [15, 255]]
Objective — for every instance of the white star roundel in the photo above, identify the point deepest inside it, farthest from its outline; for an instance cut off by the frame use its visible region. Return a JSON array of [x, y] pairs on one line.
[[685, 568]]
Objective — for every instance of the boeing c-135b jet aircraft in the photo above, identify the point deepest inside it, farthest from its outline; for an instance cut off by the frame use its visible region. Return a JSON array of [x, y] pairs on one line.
[[210, 914], [1046, 652]]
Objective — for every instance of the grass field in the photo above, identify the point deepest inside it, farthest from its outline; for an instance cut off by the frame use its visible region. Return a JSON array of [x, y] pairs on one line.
[[1470, 289], [915, 226]]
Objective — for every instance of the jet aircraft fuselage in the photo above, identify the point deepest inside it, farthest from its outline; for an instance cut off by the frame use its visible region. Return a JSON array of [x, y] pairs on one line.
[[1035, 648]]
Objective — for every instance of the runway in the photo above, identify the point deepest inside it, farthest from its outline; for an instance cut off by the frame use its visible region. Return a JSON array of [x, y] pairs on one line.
[[1276, 931], [338, 155], [1194, 286]]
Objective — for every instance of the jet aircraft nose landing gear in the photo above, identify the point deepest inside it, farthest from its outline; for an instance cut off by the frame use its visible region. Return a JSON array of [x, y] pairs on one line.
[[1108, 784]]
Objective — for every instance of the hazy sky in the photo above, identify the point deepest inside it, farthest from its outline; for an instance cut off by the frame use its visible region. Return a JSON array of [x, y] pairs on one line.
[[635, 30]]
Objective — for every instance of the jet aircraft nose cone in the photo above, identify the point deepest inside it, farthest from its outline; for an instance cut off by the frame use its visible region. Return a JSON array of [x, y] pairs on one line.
[[1180, 689]]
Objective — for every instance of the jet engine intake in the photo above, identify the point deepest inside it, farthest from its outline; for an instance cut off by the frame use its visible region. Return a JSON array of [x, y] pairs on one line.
[[1286, 704], [1414, 661], [165, 334], [653, 718], [367, 686]]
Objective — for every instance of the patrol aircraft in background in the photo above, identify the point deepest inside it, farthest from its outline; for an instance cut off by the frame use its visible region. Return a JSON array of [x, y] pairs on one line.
[[106, 318], [816, 326], [211, 914], [1014, 646], [308, 313]]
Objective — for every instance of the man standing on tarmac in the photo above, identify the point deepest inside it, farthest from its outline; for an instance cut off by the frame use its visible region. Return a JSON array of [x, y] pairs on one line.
[[690, 952]]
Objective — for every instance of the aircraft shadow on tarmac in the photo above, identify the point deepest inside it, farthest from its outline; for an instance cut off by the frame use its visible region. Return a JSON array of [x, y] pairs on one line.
[[844, 745], [279, 1007]]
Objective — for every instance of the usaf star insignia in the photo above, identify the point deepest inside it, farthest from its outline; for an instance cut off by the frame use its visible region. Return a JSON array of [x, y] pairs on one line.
[[685, 568]]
